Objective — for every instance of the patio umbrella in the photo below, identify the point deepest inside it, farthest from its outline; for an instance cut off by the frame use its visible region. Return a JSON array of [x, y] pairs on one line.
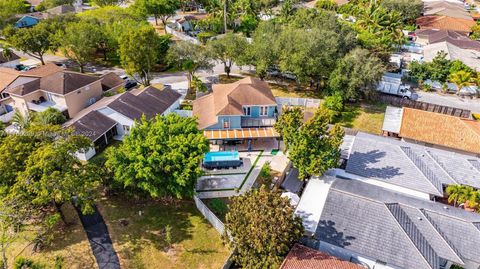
[[293, 197]]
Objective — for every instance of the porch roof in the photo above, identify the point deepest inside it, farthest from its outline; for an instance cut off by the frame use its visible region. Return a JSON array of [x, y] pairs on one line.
[[245, 133]]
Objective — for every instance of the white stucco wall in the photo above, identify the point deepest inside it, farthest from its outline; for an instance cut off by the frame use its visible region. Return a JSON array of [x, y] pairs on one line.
[[85, 156]]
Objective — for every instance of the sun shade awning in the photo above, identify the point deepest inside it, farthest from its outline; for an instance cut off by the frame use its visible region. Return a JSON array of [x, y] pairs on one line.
[[246, 133]]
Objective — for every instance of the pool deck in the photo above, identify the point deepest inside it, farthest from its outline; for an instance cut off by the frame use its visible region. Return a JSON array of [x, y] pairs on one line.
[[227, 185]]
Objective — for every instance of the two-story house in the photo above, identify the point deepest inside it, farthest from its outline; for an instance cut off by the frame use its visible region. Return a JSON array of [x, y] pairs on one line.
[[239, 112], [69, 92]]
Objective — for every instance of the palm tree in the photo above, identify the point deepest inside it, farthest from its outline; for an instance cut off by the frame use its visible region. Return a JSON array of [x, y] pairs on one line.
[[461, 79], [22, 121], [7, 53], [453, 192]]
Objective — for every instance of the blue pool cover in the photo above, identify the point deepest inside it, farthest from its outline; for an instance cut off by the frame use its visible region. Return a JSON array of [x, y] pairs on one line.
[[218, 156]]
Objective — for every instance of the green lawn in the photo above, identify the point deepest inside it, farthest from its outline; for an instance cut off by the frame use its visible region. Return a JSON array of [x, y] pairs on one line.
[[141, 243], [364, 117], [69, 242]]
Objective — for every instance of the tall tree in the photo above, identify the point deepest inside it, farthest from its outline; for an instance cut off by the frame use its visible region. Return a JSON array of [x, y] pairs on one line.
[[289, 123], [189, 57], [356, 74], [140, 49], [263, 51], [53, 175], [49, 116], [408, 9], [228, 49], [262, 228], [161, 157], [315, 148], [80, 41], [34, 41], [46, 4], [160, 9]]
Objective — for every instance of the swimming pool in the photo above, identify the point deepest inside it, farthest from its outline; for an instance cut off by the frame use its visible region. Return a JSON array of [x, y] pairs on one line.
[[222, 159]]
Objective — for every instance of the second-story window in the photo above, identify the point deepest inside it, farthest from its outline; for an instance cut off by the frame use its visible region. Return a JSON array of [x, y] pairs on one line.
[[246, 111], [263, 110], [226, 124]]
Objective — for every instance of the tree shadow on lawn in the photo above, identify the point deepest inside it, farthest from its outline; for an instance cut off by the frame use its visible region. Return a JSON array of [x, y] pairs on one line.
[[149, 228]]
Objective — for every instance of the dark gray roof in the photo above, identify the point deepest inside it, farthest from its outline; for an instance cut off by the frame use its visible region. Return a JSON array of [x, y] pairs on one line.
[[93, 125], [397, 229], [410, 165], [292, 183], [150, 102]]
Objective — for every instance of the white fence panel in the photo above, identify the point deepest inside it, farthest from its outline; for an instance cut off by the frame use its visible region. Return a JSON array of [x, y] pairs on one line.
[[216, 222], [7, 117], [182, 36], [184, 113], [292, 101]]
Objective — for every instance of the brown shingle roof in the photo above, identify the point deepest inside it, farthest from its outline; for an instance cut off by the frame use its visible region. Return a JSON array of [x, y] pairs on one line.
[[228, 99], [65, 82], [7, 76], [444, 8], [93, 125], [150, 102], [111, 80], [445, 23], [441, 129], [4, 59], [302, 257], [44, 70], [455, 38]]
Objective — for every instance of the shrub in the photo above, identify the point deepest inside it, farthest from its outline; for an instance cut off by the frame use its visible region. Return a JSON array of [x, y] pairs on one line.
[[218, 206], [25, 263], [427, 88], [204, 36], [334, 105]]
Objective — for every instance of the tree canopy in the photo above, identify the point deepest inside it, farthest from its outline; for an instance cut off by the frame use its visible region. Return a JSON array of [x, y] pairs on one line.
[[140, 49], [160, 9], [315, 146], [356, 74], [160, 157], [262, 228], [9, 8], [228, 49]]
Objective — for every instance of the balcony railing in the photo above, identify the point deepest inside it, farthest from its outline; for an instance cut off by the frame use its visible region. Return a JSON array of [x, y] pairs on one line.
[[258, 122]]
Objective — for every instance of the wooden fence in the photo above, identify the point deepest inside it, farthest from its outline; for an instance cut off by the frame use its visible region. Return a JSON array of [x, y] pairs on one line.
[[402, 102]]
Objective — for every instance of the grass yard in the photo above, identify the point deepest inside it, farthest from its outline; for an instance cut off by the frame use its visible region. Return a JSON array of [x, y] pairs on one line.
[[364, 117], [70, 243], [141, 243]]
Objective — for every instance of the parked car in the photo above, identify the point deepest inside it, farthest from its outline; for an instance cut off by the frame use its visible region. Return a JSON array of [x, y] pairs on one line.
[[129, 84]]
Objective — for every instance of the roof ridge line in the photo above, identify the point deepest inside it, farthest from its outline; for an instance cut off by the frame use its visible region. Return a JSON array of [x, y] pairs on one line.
[[439, 190], [398, 214], [436, 160], [442, 235]]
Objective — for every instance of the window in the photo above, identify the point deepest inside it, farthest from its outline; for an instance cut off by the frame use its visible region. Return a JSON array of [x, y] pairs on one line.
[[247, 111], [263, 110], [126, 128], [226, 124]]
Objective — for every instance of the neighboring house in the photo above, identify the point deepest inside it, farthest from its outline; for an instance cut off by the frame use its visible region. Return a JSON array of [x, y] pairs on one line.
[[381, 228], [469, 57], [302, 257], [10, 61], [69, 92], [112, 82], [34, 4], [239, 111], [443, 8], [60, 10], [113, 117], [463, 26], [436, 130], [431, 36], [184, 24], [413, 169], [10, 78], [26, 21]]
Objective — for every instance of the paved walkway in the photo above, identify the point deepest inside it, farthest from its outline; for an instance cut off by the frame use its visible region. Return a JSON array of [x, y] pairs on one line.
[[99, 238]]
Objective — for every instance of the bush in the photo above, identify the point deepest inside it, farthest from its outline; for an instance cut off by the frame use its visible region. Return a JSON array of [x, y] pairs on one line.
[[25, 263], [334, 105], [204, 36], [218, 206], [427, 88]]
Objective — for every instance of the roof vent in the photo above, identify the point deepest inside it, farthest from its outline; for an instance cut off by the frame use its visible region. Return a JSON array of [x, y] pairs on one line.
[[445, 207], [419, 218]]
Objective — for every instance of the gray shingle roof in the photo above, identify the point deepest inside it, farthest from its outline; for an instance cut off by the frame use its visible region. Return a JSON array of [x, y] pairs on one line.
[[150, 102], [397, 229], [410, 165], [93, 125]]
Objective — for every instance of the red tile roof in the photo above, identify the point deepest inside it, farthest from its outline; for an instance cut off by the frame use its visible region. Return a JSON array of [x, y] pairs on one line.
[[445, 23], [301, 257]]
